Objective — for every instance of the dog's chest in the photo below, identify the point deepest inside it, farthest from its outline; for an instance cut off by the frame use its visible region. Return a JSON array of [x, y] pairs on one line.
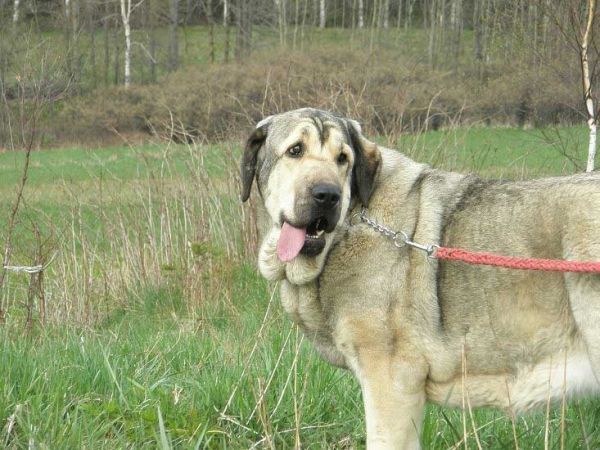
[[531, 387], [305, 308]]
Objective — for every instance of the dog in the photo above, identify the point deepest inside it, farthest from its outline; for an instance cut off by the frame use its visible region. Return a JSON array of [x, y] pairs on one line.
[[414, 329]]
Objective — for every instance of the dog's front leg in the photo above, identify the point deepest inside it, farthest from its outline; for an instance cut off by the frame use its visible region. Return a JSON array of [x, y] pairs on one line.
[[394, 400]]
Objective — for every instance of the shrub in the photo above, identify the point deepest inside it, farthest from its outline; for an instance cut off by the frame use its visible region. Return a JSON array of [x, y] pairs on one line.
[[218, 101]]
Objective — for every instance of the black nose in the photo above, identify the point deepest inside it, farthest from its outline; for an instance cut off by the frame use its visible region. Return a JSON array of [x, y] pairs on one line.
[[326, 195]]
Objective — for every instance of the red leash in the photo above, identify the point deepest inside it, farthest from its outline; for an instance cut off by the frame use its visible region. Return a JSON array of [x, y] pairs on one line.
[[509, 262], [400, 239]]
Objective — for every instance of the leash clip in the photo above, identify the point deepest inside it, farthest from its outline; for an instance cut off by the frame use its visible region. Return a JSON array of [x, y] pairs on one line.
[[401, 239]]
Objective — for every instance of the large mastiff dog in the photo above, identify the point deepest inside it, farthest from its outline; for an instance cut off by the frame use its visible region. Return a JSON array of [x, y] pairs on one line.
[[413, 329]]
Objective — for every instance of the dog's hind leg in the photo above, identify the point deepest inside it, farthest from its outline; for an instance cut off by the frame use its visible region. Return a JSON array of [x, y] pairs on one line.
[[581, 242], [584, 298]]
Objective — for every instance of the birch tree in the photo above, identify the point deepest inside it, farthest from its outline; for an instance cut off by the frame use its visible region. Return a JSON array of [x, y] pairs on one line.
[[15, 18], [125, 16], [587, 84], [321, 13], [575, 22], [282, 21], [126, 10], [386, 14], [361, 13]]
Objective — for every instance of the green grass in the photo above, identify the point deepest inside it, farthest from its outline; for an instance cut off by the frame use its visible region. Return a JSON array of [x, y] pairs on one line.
[[157, 331], [510, 153], [194, 382], [69, 388]]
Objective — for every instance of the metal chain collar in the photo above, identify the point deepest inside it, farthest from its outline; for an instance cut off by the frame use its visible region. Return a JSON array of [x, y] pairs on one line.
[[399, 238]]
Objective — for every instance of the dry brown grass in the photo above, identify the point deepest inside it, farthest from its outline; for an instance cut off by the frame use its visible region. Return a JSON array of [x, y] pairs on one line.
[[389, 92]]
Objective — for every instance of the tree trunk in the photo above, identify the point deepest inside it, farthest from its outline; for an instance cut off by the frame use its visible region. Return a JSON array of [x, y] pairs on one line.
[[587, 86], [152, 40], [321, 13], [456, 24], [68, 38], [374, 18], [361, 13], [304, 15], [431, 46], [227, 38], [296, 22], [117, 56], [125, 15], [282, 21], [386, 14], [15, 18], [92, 29], [106, 46], [481, 31], [174, 44], [410, 5], [243, 30]]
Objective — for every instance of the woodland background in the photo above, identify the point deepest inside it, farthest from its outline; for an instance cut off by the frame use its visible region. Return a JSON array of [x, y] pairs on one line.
[[89, 70]]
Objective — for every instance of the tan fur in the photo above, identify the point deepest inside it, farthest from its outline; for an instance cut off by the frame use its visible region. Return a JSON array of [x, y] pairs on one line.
[[401, 322]]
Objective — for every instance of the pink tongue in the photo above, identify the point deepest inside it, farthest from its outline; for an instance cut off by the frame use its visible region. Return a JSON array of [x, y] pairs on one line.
[[290, 242]]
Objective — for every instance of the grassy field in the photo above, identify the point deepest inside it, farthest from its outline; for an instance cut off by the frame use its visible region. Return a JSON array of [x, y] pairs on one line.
[[153, 328]]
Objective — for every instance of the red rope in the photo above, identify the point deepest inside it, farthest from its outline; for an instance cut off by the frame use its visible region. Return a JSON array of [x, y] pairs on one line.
[[488, 259]]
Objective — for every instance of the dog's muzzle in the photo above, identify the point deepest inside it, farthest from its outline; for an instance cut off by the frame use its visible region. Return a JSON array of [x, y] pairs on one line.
[[308, 236]]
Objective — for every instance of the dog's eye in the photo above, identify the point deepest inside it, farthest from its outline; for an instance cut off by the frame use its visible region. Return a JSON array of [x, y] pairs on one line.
[[342, 158], [295, 151]]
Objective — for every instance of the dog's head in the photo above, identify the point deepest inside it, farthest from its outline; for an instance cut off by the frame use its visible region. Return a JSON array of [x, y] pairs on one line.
[[309, 165]]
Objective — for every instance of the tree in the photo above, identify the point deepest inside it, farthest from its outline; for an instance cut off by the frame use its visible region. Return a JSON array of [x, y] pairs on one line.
[[125, 15], [126, 10], [174, 44], [282, 21], [361, 13], [243, 39], [456, 25], [15, 19], [587, 83], [575, 22], [386, 14]]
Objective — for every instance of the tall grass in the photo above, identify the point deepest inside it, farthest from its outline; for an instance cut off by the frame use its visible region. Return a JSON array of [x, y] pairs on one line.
[[170, 222], [154, 329]]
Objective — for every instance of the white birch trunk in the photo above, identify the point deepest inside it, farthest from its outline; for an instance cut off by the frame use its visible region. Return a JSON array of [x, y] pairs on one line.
[[386, 14], [587, 87], [15, 18], [322, 14], [282, 19], [125, 14], [361, 13], [225, 12]]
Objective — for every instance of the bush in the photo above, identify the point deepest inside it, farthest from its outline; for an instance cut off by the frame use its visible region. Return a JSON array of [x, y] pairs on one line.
[[219, 101]]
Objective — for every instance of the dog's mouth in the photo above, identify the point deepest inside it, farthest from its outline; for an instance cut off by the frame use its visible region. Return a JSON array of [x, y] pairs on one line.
[[309, 241]]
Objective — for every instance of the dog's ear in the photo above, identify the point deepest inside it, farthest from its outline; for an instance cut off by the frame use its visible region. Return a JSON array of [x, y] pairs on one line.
[[253, 145], [367, 160]]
